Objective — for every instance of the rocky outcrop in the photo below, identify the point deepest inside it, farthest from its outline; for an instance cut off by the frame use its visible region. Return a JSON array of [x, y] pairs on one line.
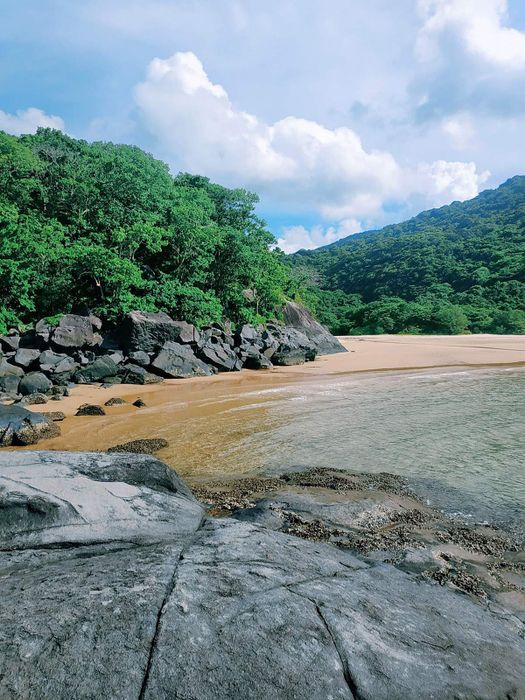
[[299, 317], [18, 426], [145, 349], [110, 558]]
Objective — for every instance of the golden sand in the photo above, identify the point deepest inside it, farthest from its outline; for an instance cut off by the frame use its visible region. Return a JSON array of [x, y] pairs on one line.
[[195, 415]]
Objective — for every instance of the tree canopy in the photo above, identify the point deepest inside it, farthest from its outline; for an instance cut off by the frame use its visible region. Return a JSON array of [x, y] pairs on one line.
[[460, 268], [106, 226]]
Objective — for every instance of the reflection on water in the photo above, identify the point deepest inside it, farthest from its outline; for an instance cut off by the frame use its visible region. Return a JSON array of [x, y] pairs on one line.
[[460, 434]]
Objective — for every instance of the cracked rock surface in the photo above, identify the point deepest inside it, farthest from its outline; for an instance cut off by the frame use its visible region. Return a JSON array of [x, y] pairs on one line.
[[114, 584]]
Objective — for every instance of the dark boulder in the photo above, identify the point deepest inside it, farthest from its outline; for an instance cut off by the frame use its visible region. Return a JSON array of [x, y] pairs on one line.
[[135, 374], [139, 403], [18, 426], [299, 317], [34, 383], [294, 348], [49, 359], [148, 332], [9, 377], [101, 368], [89, 409], [256, 360], [139, 357], [179, 361], [220, 356], [74, 332]]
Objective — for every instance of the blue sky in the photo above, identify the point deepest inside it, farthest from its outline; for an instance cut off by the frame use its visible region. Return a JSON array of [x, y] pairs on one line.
[[343, 115]]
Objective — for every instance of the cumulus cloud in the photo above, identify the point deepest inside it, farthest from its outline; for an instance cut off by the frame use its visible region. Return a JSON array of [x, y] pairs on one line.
[[295, 162], [470, 59], [478, 24], [301, 238], [27, 121]]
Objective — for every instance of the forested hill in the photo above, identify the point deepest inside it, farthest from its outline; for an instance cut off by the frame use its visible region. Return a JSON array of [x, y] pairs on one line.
[[449, 270], [108, 227]]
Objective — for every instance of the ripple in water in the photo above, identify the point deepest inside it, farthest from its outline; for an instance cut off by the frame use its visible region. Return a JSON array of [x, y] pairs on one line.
[[459, 435]]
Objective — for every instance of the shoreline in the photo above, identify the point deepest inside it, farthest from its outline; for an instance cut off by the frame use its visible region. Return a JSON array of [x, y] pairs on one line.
[[180, 409]]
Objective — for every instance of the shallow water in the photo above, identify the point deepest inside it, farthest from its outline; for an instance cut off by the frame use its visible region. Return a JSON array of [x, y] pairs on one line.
[[458, 435]]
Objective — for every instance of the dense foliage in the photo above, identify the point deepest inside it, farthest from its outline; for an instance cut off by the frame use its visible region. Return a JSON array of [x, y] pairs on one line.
[[456, 269], [108, 227]]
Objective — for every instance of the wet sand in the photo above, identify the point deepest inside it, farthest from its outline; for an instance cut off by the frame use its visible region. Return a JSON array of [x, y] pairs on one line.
[[195, 415]]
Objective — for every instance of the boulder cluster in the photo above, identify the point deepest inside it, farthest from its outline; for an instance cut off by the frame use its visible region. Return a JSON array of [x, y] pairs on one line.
[[144, 349]]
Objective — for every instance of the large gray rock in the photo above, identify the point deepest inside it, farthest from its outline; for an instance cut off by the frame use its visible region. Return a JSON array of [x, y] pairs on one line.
[[145, 331], [9, 377], [101, 368], [179, 361], [109, 558], [18, 426], [135, 374], [297, 316], [26, 357], [34, 383], [219, 355], [294, 347], [74, 332]]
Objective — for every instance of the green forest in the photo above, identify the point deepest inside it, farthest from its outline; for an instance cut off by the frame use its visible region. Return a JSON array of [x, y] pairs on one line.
[[108, 227], [457, 269]]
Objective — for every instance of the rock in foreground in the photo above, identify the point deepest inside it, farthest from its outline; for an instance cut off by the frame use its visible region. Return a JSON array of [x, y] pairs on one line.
[[115, 585], [18, 426]]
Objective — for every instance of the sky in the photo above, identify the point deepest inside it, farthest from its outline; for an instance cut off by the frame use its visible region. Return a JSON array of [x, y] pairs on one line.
[[343, 115]]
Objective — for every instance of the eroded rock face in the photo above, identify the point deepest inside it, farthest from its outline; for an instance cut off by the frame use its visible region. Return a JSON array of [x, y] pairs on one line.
[[109, 558], [18, 426], [299, 317]]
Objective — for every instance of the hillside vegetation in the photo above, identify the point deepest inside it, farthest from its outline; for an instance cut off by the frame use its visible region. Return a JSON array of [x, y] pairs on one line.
[[455, 269], [108, 227]]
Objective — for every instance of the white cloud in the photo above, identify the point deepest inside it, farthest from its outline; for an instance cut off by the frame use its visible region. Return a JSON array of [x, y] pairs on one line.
[[469, 60], [445, 181], [477, 24], [298, 237], [460, 130], [296, 163], [27, 121]]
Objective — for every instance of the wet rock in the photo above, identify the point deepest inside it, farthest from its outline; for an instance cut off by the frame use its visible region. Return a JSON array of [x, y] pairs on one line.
[[18, 426], [116, 401], [178, 361], [299, 317], [143, 446], [100, 369], [139, 403], [34, 383], [88, 409]]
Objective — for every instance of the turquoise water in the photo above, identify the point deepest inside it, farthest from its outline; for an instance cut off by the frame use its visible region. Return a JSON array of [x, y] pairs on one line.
[[458, 436]]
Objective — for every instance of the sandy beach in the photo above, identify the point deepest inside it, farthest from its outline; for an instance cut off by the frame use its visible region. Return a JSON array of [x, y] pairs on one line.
[[195, 414]]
